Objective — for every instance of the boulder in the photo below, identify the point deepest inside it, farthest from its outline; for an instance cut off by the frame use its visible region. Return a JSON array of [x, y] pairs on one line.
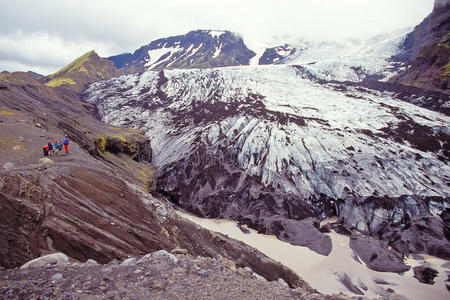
[[45, 160], [376, 256], [325, 228], [282, 283], [260, 278], [302, 233], [57, 276], [53, 259], [171, 257], [8, 166], [425, 274], [129, 261], [91, 262], [179, 251]]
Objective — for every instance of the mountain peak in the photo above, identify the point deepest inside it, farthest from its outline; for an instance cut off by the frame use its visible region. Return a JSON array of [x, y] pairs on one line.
[[85, 69], [195, 49]]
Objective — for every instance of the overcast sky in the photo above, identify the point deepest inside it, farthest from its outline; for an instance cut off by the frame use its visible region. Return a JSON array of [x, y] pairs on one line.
[[46, 35]]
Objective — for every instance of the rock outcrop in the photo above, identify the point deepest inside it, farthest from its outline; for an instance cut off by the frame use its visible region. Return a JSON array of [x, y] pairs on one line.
[[376, 256], [50, 259], [429, 51], [425, 274]]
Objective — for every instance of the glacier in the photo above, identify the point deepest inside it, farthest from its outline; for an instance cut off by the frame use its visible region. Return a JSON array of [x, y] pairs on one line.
[[263, 144], [350, 59]]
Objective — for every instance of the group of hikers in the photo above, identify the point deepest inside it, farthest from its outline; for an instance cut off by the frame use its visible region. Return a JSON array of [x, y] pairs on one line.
[[56, 147]]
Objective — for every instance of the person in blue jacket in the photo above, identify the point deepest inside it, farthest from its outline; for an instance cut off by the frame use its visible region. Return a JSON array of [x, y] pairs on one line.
[[66, 144]]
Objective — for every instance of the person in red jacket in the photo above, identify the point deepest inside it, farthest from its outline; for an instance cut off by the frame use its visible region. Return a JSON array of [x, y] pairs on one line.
[[45, 149], [66, 144]]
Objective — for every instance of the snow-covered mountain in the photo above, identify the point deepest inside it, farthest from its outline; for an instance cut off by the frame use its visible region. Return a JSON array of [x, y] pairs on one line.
[[353, 59], [196, 49], [379, 57], [272, 145]]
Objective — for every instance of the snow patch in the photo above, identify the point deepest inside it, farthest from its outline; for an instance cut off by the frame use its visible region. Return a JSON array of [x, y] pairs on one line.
[[156, 54], [216, 33], [217, 52]]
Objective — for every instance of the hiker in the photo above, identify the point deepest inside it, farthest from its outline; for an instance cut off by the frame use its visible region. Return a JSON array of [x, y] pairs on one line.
[[58, 146], [50, 147], [66, 144], [45, 149]]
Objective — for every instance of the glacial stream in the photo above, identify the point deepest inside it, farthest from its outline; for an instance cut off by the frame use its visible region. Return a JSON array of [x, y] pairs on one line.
[[324, 272]]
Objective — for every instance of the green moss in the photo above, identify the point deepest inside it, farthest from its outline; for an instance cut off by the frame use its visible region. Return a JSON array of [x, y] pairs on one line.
[[83, 69], [99, 74], [60, 81], [101, 143], [146, 175], [5, 112], [74, 66], [11, 78], [447, 70], [120, 137], [416, 84], [126, 130]]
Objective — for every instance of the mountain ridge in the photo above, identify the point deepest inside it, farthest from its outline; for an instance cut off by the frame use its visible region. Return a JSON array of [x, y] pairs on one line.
[[196, 49]]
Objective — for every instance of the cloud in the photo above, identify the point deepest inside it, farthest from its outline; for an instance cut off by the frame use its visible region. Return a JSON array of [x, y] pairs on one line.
[[46, 35]]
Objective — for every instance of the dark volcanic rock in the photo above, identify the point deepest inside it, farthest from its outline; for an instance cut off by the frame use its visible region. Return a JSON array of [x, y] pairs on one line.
[[196, 49], [325, 228], [302, 233], [341, 228], [430, 99], [376, 256], [419, 235], [425, 274], [405, 223], [276, 55], [347, 282]]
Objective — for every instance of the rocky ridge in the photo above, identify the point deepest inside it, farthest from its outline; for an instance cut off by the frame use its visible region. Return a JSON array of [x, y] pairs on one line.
[[157, 275], [429, 51]]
